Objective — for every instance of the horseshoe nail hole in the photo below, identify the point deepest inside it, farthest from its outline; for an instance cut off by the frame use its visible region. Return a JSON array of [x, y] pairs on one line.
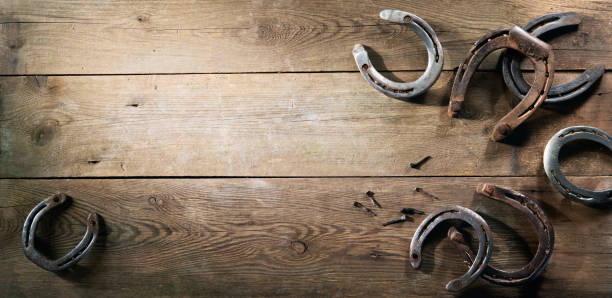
[[407, 19], [437, 58], [93, 223], [415, 256], [547, 74], [56, 199], [365, 67]]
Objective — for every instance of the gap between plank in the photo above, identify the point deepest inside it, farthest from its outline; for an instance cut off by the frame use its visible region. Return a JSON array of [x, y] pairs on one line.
[[253, 72]]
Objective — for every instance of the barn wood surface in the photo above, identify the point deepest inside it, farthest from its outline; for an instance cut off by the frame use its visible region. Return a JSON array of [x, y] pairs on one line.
[[223, 144], [291, 236]]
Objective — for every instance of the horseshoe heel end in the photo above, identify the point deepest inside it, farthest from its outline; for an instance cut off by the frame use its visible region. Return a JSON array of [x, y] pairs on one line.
[[500, 132], [455, 285], [531, 45], [93, 222], [415, 260], [396, 16], [454, 106]]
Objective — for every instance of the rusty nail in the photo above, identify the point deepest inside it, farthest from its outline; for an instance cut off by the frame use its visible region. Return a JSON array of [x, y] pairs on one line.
[[401, 219], [418, 189], [418, 164], [364, 208], [411, 211], [370, 195]]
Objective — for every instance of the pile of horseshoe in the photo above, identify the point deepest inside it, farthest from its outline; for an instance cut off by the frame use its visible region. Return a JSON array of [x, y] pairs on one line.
[[528, 97]]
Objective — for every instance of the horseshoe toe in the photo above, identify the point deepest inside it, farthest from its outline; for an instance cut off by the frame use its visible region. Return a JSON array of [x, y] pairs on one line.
[[553, 169], [539, 26], [71, 258], [485, 242], [543, 227], [537, 51], [399, 89]]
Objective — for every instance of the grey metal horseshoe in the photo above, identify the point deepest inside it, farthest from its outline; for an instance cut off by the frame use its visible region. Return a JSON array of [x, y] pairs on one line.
[[485, 242], [544, 228], [435, 57], [553, 170], [539, 26], [71, 258]]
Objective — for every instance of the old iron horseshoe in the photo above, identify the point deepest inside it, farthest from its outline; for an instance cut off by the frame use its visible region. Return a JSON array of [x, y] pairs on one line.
[[543, 226], [435, 57], [485, 242], [71, 258], [515, 38], [538, 27], [553, 170]]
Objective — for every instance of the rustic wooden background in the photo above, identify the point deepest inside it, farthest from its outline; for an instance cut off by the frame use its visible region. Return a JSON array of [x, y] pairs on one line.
[[224, 143]]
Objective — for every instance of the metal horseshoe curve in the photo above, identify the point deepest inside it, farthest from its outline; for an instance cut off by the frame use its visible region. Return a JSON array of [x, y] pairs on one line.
[[539, 26], [485, 242], [553, 169], [435, 56], [515, 38], [71, 258], [544, 228]]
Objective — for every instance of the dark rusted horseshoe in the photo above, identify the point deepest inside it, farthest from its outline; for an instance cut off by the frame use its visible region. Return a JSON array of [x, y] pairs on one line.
[[553, 170], [434, 53], [70, 259], [543, 227], [516, 38], [538, 27], [485, 242]]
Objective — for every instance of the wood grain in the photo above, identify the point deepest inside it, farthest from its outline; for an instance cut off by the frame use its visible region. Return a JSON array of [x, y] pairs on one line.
[[128, 37], [289, 237], [276, 125]]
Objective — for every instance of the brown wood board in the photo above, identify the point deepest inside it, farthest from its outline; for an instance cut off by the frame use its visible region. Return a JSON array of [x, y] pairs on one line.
[[277, 125], [126, 37], [291, 237]]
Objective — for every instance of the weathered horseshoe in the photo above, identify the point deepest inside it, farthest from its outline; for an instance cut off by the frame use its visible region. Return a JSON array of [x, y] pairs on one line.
[[435, 57], [70, 259], [553, 170], [516, 38], [543, 227], [538, 27], [485, 242]]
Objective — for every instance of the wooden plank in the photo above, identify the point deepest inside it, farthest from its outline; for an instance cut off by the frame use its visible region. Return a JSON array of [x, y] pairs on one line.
[[330, 124], [289, 237], [125, 37]]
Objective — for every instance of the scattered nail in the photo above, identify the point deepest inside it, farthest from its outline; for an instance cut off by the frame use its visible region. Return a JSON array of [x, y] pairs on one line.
[[418, 189], [401, 219], [418, 164], [411, 211], [370, 195], [364, 208]]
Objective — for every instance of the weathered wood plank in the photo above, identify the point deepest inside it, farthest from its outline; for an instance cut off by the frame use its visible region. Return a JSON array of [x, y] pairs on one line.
[[120, 37], [291, 237], [275, 125]]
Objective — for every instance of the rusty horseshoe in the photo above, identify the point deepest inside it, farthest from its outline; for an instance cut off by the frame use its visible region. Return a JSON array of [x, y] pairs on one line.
[[538, 27], [70, 259], [485, 242], [435, 57], [553, 170], [543, 227], [537, 51]]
